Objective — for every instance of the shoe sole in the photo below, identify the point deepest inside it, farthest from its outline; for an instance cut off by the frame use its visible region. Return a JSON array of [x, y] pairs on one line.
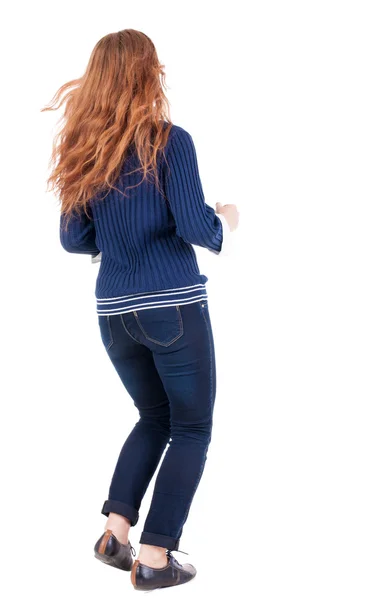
[[160, 587], [109, 560]]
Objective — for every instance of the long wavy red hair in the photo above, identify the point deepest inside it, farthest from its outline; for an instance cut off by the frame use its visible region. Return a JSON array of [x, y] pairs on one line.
[[119, 101]]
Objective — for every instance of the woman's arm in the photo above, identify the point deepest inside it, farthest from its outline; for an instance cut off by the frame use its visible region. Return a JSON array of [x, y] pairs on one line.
[[196, 221], [79, 237]]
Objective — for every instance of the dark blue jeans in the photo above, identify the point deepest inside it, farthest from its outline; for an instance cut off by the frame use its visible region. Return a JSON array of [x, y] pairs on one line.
[[165, 358]]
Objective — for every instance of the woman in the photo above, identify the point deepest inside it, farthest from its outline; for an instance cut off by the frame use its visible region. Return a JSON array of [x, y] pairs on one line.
[[131, 197]]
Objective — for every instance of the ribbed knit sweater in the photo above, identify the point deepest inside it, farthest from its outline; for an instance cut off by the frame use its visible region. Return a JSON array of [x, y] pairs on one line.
[[144, 239]]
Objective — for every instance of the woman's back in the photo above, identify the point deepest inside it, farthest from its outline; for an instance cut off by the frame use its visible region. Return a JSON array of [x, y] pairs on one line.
[[145, 236], [137, 234]]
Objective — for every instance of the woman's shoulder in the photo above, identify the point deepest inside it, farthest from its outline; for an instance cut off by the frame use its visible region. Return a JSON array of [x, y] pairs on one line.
[[177, 129], [179, 137]]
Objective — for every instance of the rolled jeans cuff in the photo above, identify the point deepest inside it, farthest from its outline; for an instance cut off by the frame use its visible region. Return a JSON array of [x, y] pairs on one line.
[[120, 508], [156, 539]]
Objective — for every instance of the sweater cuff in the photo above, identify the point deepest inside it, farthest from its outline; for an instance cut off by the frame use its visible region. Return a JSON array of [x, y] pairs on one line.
[[96, 257], [226, 247]]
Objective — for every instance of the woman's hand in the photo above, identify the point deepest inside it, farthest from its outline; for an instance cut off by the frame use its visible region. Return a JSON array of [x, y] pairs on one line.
[[230, 213]]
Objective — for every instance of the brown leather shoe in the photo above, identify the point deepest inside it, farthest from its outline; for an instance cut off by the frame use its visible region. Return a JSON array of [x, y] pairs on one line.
[[146, 578], [111, 552]]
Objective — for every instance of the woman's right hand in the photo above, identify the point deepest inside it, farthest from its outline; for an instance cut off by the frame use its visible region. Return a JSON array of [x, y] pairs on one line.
[[230, 213]]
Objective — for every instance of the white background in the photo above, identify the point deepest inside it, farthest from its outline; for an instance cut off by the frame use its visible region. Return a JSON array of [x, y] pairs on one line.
[[289, 105]]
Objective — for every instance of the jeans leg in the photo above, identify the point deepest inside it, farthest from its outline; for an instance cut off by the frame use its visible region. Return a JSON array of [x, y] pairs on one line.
[[187, 370], [143, 449]]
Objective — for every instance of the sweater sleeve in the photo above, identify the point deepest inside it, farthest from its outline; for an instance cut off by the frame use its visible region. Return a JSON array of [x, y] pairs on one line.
[[79, 238], [196, 221]]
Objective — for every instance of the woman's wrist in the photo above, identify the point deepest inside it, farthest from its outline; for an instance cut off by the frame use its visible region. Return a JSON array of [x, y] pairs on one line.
[[227, 236]]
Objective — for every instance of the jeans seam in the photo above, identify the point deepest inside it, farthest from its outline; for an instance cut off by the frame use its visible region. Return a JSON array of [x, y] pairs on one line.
[[180, 321], [110, 333], [126, 330], [205, 453]]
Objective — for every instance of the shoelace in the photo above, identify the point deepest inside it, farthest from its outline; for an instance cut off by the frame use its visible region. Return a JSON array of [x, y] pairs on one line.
[[171, 557]]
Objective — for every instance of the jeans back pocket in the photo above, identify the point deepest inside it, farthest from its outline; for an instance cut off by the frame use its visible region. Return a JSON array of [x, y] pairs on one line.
[[162, 326]]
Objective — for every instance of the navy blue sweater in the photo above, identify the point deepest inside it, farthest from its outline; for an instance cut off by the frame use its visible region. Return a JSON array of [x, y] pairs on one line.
[[145, 238]]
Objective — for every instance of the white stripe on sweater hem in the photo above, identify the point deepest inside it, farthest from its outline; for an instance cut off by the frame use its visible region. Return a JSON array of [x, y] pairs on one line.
[[155, 294], [155, 305]]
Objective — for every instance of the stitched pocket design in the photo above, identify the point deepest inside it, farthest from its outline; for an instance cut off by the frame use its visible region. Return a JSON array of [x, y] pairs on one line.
[[162, 326]]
